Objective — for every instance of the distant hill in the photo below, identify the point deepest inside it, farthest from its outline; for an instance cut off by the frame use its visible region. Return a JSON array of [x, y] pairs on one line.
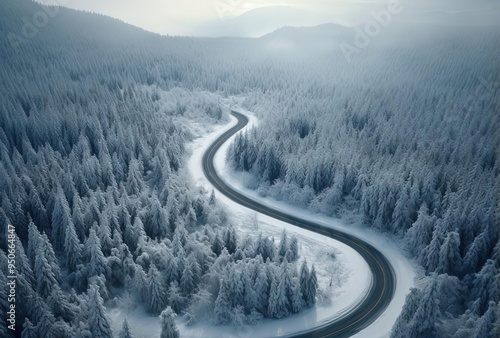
[[259, 22]]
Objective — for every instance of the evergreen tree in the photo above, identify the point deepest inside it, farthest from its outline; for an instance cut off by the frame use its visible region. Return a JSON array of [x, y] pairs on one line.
[[304, 283], [313, 287], [284, 245], [262, 293], [222, 310], [450, 260], [125, 332], [412, 301], [157, 299], [424, 322], [486, 327], [99, 323], [61, 219], [168, 326], [217, 244], [293, 251], [46, 280], [175, 298], [34, 238], [484, 287], [156, 223], [236, 287], [29, 330], [250, 297], [97, 263], [72, 247]]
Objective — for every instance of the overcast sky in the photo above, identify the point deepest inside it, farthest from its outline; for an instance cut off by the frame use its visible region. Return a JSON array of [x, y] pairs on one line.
[[190, 17]]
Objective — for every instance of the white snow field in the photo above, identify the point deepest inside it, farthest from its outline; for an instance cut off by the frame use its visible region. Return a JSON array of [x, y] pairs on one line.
[[351, 274]]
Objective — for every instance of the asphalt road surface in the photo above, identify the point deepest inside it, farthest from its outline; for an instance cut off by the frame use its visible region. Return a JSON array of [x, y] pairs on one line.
[[383, 284]]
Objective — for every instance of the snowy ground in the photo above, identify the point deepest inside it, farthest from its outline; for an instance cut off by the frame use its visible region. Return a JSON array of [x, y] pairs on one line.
[[352, 275]]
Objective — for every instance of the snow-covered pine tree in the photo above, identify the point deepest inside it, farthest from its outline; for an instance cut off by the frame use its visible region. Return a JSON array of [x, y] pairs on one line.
[[424, 322], [125, 331], [46, 280], [61, 218], [97, 263], [175, 298], [262, 293], [222, 310], [304, 283], [168, 326], [155, 290], [99, 323], [412, 301], [450, 259], [72, 248]]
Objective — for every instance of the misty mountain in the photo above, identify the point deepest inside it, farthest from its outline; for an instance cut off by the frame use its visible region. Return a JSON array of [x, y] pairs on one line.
[[260, 21]]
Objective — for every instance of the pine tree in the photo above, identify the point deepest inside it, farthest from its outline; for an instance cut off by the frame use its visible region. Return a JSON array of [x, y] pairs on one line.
[[175, 298], [134, 183], [420, 233], [156, 223], [217, 244], [34, 238], [50, 256], [72, 247], [99, 323], [313, 287], [412, 301], [222, 310], [283, 247], [236, 287], [45, 325], [97, 263], [484, 287], [424, 322], [191, 275], [157, 299], [29, 330], [230, 240], [272, 308], [262, 293], [282, 301], [450, 260], [304, 283], [46, 280], [168, 326], [61, 219], [250, 297], [431, 252], [486, 327], [125, 332], [293, 251]]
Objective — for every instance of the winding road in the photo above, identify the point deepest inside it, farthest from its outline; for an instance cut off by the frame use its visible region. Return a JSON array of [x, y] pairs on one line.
[[383, 284]]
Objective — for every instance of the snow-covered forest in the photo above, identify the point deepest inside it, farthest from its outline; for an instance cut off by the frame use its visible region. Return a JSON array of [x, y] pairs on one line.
[[414, 148], [94, 118], [93, 181]]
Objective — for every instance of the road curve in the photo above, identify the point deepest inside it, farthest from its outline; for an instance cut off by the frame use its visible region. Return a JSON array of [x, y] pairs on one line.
[[383, 285]]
